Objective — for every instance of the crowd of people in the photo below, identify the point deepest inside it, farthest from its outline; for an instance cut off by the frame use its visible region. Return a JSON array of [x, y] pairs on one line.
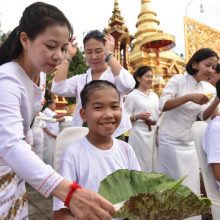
[[109, 101]]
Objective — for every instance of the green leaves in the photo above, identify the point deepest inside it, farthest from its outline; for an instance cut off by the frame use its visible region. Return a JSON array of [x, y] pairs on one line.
[[151, 196]]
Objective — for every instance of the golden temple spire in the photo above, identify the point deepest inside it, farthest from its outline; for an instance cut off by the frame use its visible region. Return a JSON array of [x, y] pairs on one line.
[[149, 37], [120, 32], [148, 23], [149, 42], [116, 14]]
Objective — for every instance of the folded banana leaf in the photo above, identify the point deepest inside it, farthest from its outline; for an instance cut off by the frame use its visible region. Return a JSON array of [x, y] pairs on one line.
[[151, 196]]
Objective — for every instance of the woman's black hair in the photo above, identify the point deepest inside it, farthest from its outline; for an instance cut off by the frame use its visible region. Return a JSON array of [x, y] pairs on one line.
[[94, 34], [218, 68], [139, 73], [199, 56], [50, 102], [95, 85], [35, 19]]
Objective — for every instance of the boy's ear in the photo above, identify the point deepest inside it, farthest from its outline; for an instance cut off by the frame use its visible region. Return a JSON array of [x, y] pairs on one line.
[[82, 114]]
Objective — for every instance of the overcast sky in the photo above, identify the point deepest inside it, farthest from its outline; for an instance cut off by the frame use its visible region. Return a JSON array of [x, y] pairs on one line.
[[94, 14]]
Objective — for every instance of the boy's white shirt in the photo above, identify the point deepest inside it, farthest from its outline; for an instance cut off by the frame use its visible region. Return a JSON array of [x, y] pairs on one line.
[[88, 165]]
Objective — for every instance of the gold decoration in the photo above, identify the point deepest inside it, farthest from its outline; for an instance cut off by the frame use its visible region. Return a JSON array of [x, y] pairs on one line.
[[198, 35]]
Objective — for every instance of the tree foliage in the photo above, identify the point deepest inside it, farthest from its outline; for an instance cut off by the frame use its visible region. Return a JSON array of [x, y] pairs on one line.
[[3, 36]]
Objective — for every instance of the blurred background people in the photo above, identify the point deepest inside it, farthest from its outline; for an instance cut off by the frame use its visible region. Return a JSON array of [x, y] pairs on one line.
[[51, 130], [142, 106]]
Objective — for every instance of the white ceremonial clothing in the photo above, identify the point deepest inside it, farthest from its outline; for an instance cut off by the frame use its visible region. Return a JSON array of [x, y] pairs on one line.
[[38, 137], [53, 127], [38, 124], [177, 86], [74, 85], [18, 163], [89, 165], [211, 142], [140, 138], [177, 153], [49, 142]]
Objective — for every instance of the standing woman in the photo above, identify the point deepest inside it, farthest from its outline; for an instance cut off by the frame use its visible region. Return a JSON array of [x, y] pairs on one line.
[[142, 106], [36, 45], [99, 54], [182, 101]]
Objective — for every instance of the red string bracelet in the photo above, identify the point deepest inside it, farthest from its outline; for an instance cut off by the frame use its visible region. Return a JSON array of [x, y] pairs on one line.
[[73, 187]]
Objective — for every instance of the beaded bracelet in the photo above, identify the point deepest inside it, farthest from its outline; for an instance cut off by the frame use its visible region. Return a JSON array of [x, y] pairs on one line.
[[108, 57], [73, 187]]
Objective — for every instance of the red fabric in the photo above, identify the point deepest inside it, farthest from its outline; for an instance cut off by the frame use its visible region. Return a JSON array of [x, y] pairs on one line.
[[73, 187]]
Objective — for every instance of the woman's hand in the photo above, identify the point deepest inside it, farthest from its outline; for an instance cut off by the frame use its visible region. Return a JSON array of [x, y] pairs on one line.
[[109, 44], [87, 205], [198, 98], [71, 48], [143, 116]]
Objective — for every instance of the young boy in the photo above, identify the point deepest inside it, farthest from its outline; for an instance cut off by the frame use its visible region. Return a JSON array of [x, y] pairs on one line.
[[90, 159]]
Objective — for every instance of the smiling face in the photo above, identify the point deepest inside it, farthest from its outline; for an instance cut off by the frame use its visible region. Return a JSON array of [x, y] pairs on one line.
[[46, 51], [205, 68], [102, 112], [146, 80]]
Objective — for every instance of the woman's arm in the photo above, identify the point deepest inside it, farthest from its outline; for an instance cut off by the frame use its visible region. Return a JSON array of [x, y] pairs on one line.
[[175, 102], [85, 204], [61, 70], [47, 131], [170, 98], [113, 63], [216, 170], [211, 108]]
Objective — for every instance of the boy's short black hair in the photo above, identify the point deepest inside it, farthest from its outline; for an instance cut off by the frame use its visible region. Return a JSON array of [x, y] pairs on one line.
[[95, 85]]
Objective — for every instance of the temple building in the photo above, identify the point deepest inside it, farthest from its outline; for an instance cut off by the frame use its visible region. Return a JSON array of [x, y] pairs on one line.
[[151, 46]]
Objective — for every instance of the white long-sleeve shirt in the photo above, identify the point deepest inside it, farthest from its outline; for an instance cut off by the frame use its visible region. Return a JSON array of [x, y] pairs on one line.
[[74, 85], [17, 110], [177, 122]]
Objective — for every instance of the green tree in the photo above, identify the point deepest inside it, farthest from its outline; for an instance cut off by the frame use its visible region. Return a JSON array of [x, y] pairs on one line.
[[77, 66], [3, 36]]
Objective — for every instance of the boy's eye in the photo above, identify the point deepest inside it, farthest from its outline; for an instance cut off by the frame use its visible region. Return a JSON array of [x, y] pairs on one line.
[[115, 106], [97, 107]]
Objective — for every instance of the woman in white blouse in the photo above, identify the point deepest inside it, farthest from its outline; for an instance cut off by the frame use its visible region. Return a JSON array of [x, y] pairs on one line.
[[142, 106], [183, 101], [99, 49], [36, 45]]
